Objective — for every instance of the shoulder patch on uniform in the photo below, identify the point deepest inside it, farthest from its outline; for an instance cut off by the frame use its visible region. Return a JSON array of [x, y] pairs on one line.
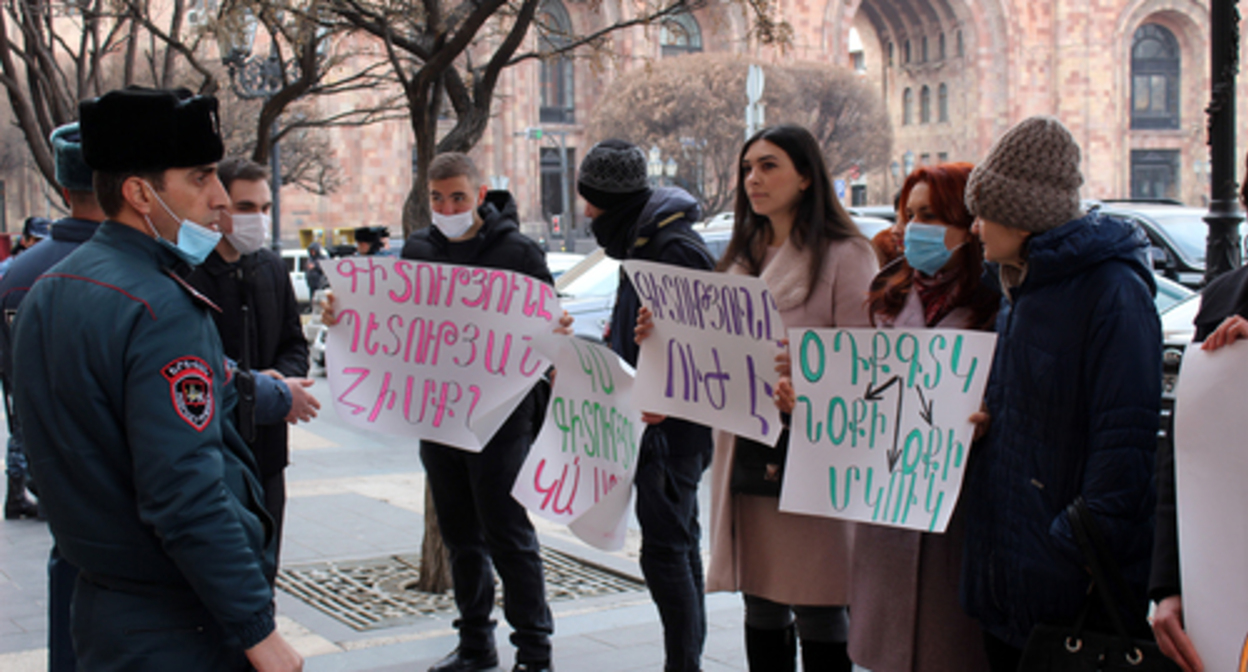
[[190, 387]]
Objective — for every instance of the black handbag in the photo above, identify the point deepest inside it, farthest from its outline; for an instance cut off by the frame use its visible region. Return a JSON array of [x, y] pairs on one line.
[[1076, 648], [757, 468]]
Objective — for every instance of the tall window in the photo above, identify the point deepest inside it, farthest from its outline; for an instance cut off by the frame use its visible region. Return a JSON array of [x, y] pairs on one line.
[[961, 47], [940, 47], [890, 54], [680, 35], [942, 103], [905, 53], [923, 50], [1154, 78], [557, 89], [925, 105], [907, 107]]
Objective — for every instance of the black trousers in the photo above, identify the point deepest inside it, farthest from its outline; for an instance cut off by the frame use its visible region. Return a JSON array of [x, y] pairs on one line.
[[483, 526], [671, 553]]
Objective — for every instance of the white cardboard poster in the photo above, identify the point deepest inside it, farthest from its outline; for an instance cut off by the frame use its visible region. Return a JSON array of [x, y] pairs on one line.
[[1211, 464], [580, 469], [711, 356], [435, 351], [881, 429]]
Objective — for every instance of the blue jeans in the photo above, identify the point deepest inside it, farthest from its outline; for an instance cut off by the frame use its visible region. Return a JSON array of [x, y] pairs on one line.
[[671, 554], [483, 525], [15, 456]]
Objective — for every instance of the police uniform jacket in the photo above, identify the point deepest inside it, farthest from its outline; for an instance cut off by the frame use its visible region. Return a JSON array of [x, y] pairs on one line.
[[67, 235], [122, 387]]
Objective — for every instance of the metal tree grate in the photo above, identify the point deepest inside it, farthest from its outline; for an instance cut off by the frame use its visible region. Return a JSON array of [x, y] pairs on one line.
[[381, 593]]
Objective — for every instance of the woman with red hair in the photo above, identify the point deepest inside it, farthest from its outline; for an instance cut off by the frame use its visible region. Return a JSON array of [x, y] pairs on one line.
[[906, 616]]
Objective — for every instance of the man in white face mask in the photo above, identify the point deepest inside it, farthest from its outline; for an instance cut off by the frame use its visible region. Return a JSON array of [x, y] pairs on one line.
[[481, 523], [259, 321]]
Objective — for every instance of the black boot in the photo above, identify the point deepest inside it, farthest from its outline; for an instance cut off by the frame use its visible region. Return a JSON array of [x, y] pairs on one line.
[[825, 657], [466, 660], [16, 504], [771, 650]]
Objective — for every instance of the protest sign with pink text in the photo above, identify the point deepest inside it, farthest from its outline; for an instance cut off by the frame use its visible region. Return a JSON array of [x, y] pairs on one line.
[[436, 351]]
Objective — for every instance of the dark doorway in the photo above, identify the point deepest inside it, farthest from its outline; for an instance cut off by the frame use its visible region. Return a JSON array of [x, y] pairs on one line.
[[1154, 173], [552, 195]]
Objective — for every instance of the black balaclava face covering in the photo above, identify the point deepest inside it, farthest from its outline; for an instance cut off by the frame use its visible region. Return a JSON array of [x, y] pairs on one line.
[[616, 229]]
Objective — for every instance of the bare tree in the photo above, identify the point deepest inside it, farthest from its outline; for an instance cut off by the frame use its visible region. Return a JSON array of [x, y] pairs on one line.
[[58, 52], [447, 50], [692, 108]]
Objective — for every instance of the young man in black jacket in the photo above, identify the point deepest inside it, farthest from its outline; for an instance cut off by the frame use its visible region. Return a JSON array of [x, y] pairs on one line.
[[258, 320], [481, 523], [633, 221]]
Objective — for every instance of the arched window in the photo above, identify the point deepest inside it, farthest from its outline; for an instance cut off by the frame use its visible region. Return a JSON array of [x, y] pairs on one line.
[[905, 53], [961, 47], [890, 54], [1154, 78], [923, 49], [680, 35], [942, 103], [940, 47], [925, 105], [907, 107], [557, 74]]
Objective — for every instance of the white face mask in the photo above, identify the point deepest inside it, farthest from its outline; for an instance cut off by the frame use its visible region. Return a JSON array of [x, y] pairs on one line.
[[453, 226], [251, 232]]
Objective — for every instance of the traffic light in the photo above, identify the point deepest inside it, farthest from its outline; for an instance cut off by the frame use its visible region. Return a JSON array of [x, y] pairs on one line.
[[534, 133]]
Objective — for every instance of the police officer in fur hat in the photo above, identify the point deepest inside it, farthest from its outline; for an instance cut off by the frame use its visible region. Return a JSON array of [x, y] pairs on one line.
[[121, 387]]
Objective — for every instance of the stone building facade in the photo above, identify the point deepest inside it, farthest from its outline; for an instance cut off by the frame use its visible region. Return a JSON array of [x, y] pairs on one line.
[[1128, 77]]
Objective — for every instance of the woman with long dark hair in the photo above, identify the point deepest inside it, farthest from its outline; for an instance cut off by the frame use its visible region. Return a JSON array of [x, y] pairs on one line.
[[905, 588], [793, 570]]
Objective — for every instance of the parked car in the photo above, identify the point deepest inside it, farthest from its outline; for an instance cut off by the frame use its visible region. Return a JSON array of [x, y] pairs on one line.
[[558, 262], [1177, 234], [885, 212], [297, 266]]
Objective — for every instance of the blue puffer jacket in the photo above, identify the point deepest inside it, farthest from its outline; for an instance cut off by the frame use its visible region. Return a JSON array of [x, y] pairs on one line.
[[1074, 397]]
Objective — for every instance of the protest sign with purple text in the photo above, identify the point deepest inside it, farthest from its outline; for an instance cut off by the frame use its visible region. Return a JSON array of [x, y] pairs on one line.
[[881, 431], [711, 356], [580, 469], [436, 351]]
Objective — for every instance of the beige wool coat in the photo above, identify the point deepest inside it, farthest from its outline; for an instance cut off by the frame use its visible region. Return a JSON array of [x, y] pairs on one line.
[[784, 557], [906, 616]]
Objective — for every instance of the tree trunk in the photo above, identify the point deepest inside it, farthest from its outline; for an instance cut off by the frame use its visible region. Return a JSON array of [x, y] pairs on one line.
[[435, 565]]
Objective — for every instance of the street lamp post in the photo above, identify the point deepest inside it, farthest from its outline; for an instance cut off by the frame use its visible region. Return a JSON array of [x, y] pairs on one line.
[[259, 78], [1222, 252]]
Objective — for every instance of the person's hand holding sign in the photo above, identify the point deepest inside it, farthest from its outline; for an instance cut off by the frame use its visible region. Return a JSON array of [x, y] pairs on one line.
[[785, 397], [327, 309]]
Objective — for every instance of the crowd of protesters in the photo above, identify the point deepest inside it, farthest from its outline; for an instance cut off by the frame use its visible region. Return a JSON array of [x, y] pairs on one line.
[[141, 427]]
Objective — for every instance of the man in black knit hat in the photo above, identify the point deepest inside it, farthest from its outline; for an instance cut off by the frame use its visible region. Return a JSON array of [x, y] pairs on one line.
[[633, 221]]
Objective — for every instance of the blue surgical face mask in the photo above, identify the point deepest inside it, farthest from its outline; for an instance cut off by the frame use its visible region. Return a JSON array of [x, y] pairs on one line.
[[925, 247], [195, 242]]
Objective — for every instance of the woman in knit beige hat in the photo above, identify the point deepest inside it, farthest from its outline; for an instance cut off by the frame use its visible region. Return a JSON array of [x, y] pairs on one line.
[[1073, 396]]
